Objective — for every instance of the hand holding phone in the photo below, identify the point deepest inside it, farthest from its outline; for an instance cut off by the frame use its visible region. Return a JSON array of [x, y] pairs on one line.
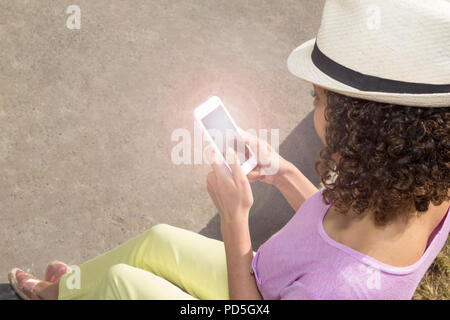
[[231, 193], [221, 130]]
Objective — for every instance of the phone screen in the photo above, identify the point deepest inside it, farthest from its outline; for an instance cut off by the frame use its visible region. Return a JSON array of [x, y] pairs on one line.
[[224, 133]]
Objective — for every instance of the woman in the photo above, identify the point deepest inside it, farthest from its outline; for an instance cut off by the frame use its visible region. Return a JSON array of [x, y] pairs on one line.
[[382, 216]]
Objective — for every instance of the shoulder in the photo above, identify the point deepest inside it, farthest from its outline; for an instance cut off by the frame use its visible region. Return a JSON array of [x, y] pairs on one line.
[[350, 279]]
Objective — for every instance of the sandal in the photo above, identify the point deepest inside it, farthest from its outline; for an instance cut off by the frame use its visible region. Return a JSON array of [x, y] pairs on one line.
[[31, 281]]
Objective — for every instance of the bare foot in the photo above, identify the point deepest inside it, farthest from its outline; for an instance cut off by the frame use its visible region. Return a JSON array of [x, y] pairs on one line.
[[55, 271], [36, 289]]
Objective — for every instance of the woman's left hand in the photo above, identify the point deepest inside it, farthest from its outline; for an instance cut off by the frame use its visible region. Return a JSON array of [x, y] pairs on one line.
[[230, 191]]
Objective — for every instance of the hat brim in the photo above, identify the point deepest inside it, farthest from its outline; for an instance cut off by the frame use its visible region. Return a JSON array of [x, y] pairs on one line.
[[300, 64]]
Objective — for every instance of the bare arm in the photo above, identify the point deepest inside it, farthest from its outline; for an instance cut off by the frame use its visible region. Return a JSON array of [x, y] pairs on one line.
[[232, 195], [239, 253], [294, 186]]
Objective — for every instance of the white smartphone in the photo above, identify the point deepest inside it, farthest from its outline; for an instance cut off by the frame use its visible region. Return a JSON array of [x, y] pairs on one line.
[[221, 130]]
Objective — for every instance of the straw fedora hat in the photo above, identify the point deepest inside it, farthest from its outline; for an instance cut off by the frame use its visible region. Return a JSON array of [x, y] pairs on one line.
[[387, 51]]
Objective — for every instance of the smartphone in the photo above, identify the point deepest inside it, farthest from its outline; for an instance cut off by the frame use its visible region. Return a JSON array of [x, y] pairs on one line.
[[221, 130]]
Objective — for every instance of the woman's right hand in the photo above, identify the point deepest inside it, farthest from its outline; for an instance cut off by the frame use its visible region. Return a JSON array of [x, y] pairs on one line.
[[270, 165]]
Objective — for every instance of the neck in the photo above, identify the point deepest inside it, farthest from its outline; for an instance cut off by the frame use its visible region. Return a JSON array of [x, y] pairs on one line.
[[401, 242]]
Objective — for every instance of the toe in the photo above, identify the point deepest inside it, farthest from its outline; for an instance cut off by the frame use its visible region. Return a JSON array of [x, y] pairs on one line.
[[26, 283], [22, 277]]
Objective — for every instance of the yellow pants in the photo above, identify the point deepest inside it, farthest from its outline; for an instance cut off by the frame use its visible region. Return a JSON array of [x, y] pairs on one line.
[[165, 262]]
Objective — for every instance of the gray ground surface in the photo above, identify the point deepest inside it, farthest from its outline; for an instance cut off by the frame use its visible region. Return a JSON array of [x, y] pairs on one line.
[[86, 116]]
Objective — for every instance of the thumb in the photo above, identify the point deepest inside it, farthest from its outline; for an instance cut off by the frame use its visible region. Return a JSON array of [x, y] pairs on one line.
[[235, 165]]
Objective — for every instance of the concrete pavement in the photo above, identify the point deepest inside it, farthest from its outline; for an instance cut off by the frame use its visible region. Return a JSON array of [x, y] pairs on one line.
[[86, 116]]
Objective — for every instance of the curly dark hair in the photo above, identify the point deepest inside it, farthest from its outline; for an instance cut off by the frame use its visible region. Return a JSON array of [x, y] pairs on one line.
[[390, 159]]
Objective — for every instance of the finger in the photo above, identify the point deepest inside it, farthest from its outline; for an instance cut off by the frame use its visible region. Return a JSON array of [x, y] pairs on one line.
[[209, 154], [253, 142], [212, 190], [211, 186], [252, 177], [249, 138], [214, 157], [235, 165], [217, 160], [210, 180], [254, 174], [220, 170]]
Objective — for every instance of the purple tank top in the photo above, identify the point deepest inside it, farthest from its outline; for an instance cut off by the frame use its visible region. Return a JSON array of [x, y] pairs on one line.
[[301, 261]]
